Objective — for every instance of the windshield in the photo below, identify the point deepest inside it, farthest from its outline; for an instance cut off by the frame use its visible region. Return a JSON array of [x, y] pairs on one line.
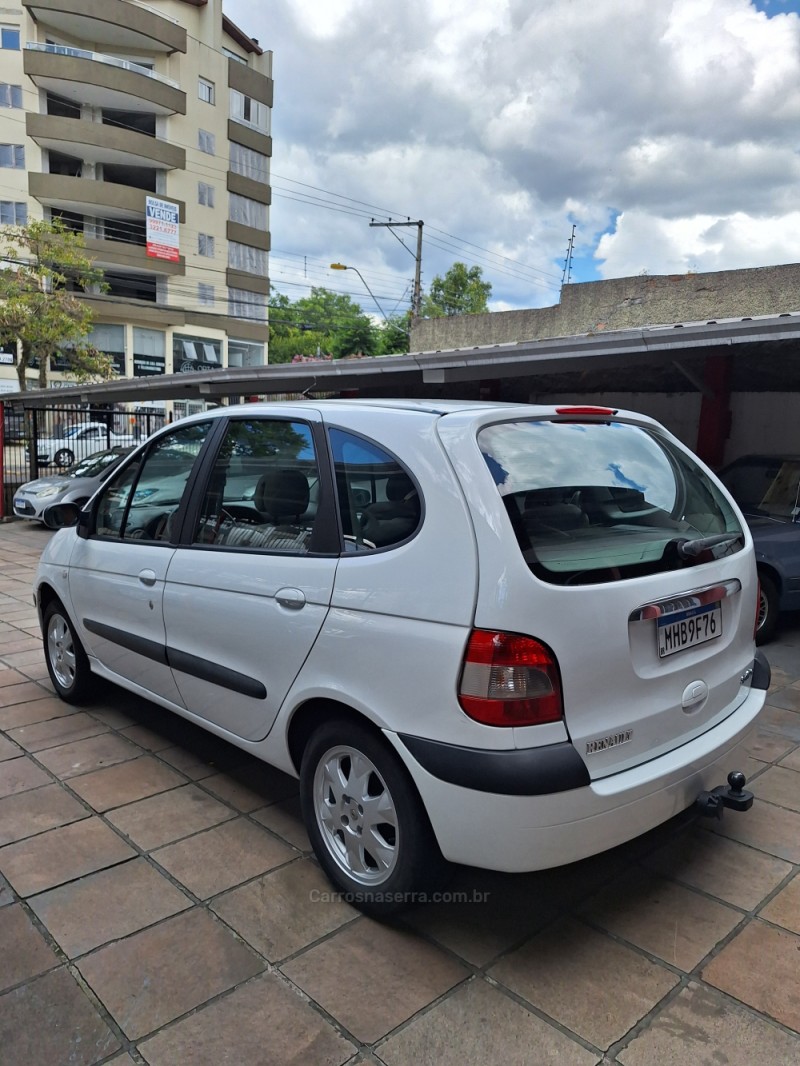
[[593, 502], [765, 485], [96, 464]]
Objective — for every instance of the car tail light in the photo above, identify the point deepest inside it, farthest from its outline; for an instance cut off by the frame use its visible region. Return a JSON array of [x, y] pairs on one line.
[[509, 680]]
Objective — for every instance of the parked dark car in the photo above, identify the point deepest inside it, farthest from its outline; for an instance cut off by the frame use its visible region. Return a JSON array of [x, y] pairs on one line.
[[767, 488]]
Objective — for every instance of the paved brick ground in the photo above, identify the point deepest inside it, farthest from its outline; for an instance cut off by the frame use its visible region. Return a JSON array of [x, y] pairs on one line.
[[158, 904]]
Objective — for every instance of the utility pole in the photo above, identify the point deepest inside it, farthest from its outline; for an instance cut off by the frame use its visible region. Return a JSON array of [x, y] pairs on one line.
[[567, 272], [416, 300]]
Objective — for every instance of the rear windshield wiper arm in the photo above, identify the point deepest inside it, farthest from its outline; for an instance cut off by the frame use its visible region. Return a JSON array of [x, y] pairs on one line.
[[690, 549]]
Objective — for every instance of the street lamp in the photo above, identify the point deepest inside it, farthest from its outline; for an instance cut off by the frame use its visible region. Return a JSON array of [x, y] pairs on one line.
[[341, 266]]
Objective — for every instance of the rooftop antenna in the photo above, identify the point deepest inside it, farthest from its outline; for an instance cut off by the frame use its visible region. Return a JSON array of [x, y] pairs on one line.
[[309, 389], [566, 274]]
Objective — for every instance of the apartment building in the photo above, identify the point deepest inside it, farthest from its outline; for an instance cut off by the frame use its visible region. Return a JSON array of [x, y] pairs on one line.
[[122, 119]]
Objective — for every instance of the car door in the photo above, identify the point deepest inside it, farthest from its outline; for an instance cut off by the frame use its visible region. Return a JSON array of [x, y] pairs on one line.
[[117, 572], [247, 593]]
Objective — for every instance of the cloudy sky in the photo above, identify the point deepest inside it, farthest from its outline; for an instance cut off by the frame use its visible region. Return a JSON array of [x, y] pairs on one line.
[[665, 131]]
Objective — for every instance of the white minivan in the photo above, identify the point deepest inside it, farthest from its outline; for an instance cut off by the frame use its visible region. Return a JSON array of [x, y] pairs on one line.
[[500, 635]]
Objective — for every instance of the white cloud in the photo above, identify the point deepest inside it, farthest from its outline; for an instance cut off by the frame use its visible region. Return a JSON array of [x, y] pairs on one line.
[[502, 122]]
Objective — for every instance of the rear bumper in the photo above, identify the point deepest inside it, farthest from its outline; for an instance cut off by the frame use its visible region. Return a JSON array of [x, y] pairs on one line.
[[519, 833]]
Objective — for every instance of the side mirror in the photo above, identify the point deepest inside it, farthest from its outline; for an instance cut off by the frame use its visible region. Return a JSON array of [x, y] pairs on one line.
[[60, 515]]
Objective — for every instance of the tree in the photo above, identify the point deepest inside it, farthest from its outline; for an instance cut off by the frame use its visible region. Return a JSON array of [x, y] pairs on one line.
[[394, 335], [324, 323], [43, 263], [461, 291]]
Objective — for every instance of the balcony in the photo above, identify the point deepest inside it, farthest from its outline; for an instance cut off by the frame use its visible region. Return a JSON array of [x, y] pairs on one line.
[[100, 80], [116, 24], [97, 142], [85, 196], [113, 255]]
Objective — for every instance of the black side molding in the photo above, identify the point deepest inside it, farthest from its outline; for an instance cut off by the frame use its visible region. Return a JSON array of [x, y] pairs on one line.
[[762, 671], [150, 649], [518, 772], [181, 660], [216, 674]]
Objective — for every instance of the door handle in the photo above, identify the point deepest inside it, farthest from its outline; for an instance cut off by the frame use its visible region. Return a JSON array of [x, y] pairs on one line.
[[292, 598], [147, 577]]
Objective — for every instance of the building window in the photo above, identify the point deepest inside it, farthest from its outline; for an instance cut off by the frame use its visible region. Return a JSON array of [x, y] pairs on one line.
[[13, 213], [10, 95], [248, 163], [247, 212], [205, 294], [244, 257], [206, 142], [9, 38], [205, 90], [245, 353], [205, 244], [232, 55], [205, 194], [250, 112], [244, 304], [12, 155]]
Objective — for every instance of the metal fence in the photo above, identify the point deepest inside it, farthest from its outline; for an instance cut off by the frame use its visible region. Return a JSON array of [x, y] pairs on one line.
[[47, 440]]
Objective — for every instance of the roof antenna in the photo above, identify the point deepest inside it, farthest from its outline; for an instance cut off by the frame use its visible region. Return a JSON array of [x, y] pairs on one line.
[[307, 391]]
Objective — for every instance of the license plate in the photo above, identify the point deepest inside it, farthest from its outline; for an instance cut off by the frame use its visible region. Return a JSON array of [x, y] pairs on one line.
[[685, 629]]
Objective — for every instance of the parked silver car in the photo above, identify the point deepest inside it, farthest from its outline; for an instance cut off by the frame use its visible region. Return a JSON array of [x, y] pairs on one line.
[[498, 635], [76, 485]]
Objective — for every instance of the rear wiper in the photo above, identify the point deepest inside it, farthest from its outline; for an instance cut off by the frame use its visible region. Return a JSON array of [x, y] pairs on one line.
[[690, 549]]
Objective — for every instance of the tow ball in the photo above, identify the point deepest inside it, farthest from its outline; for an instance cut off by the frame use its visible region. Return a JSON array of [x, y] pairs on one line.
[[711, 804]]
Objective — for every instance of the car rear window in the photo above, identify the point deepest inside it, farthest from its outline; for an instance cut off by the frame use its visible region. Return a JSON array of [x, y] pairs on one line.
[[765, 485], [603, 501]]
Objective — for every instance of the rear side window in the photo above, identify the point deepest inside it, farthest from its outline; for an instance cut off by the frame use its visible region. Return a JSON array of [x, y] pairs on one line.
[[596, 502], [379, 503]]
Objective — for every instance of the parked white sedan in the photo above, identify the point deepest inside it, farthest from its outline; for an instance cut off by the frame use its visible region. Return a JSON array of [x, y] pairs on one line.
[[504, 636], [79, 441]]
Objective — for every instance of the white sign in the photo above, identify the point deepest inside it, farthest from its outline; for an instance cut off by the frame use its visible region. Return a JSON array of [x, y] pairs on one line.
[[162, 233]]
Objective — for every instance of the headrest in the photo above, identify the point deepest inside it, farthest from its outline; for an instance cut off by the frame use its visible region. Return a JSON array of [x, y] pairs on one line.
[[399, 486], [282, 494]]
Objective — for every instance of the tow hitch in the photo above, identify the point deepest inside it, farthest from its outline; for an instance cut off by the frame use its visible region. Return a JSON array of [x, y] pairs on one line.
[[711, 804]]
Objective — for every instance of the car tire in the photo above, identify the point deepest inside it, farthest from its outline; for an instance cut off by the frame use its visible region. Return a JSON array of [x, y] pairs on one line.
[[365, 820], [67, 663], [767, 622], [63, 458]]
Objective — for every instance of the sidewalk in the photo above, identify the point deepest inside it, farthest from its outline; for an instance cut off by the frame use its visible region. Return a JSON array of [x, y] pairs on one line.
[[159, 905]]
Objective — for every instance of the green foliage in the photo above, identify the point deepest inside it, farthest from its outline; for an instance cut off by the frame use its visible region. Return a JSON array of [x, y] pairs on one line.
[[328, 325], [461, 291], [42, 259]]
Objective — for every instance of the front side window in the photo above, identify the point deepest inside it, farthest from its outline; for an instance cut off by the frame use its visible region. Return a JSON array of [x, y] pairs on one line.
[[594, 502], [141, 502], [379, 503], [263, 492]]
